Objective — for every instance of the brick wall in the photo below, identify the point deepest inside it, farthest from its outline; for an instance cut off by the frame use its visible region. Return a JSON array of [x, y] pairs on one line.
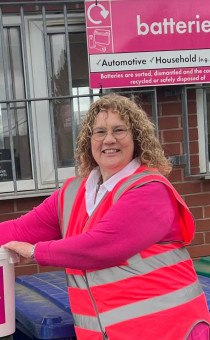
[[195, 191]]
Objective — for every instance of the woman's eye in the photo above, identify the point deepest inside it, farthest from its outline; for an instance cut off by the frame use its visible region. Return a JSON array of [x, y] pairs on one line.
[[119, 130]]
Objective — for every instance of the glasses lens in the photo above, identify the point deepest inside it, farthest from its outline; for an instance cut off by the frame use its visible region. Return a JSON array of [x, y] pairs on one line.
[[120, 133], [99, 134], [117, 133]]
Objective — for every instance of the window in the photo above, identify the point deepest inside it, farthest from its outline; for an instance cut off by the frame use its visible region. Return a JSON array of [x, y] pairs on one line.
[[44, 94], [13, 115], [67, 114], [203, 109], [43, 97]]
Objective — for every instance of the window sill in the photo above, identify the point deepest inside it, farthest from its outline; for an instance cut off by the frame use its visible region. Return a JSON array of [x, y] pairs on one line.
[[26, 194]]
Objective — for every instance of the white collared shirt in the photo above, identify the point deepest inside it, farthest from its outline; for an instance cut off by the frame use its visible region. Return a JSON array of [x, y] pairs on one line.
[[92, 182]]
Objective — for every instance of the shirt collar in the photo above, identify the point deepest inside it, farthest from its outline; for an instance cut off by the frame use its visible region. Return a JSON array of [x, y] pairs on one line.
[[95, 174]]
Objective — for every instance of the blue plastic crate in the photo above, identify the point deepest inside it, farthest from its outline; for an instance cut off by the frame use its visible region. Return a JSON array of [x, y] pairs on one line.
[[205, 283], [42, 307], [43, 310]]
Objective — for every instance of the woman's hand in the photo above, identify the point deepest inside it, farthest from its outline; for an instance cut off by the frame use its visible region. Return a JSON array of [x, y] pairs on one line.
[[23, 249]]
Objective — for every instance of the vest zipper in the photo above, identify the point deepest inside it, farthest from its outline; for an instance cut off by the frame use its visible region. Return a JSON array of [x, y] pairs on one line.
[[94, 304]]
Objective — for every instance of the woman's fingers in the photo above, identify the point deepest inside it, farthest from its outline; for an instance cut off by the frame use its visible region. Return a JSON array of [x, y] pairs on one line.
[[24, 249]]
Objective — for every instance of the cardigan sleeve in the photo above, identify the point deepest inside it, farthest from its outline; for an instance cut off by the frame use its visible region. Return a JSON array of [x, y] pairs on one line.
[[40, 224], [140, 218]]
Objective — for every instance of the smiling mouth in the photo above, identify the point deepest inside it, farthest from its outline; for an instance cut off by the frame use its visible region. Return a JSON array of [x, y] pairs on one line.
[[110, 151]]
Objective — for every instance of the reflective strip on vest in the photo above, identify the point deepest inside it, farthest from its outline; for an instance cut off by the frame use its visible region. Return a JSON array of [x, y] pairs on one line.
[[70, 193], [132, 179], [76, 281], [141, 308], [136, 266]]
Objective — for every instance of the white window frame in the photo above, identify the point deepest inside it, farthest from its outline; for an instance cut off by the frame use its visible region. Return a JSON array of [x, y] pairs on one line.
[[22, 185], [41, 118], [202, 126], [40, 109]]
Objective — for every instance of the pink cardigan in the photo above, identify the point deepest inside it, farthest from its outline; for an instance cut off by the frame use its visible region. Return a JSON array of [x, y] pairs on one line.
[[141, 218]]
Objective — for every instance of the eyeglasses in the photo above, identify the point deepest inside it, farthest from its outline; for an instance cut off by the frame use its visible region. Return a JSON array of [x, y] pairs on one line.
[[118, 132]]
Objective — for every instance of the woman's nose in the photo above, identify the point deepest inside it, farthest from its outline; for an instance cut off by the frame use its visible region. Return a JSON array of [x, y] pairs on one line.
[[109, 138]]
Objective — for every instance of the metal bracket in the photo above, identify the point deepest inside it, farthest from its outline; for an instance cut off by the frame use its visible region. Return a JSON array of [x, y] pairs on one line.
[[178, 159]]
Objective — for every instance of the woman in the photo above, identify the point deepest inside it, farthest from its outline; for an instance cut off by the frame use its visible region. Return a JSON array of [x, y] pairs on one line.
[[124, 229]]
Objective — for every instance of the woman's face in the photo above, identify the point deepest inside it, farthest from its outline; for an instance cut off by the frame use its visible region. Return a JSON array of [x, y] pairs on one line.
[[113, 150]]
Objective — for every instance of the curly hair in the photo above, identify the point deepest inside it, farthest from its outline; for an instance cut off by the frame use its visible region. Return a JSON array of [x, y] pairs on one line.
[[146, 146]]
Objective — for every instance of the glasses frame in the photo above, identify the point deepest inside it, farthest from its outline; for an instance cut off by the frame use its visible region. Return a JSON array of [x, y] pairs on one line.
[[99, 138]]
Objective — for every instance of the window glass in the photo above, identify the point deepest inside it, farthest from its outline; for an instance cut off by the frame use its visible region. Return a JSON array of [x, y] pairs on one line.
[[17, 110], [60, 87]]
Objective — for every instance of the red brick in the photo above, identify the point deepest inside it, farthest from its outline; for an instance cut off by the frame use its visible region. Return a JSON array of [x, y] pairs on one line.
[[7, 217], [194, 147], [207, 237], [192, 108], [197, 212], [207, 211], [28, 269], [195, 171], [147, 109], [192, 120], [49, 269], [168, 123], [193, 134], [176, 175], [26, 204], [194, 160], [187, 188], [199, 251], [206, 186], [6, 206], [173, 136], [172, 149], [172, 109], [198, 200], [203, 224], [191, 95], [198, 239]]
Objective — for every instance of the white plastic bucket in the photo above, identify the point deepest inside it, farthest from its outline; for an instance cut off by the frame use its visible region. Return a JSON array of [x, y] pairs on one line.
[[7, 292]]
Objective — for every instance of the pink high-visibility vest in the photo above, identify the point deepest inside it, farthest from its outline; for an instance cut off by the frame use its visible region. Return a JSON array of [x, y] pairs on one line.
[[153, 295]]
